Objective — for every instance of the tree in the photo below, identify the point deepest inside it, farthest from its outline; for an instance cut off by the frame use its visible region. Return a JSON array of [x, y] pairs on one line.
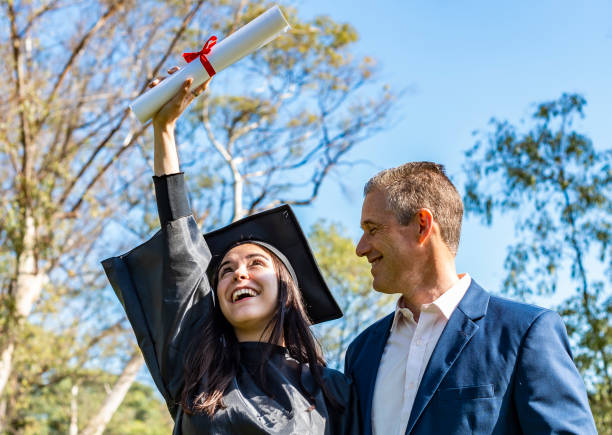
[[64, 93], [350, 281], [74, 163], [275, 134], [559, 185], [69, 394]]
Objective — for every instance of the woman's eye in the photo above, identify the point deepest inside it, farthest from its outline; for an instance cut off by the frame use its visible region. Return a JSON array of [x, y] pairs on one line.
[[225, 271]]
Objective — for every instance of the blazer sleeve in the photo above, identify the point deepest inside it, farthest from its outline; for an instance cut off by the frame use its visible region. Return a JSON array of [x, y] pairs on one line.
[[550, 396], [163, 288]]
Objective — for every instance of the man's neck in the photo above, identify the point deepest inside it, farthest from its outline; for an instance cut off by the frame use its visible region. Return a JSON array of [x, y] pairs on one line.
[[428, 290]]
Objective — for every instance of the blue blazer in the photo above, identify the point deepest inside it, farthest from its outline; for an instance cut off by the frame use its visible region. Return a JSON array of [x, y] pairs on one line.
[[499, 367]]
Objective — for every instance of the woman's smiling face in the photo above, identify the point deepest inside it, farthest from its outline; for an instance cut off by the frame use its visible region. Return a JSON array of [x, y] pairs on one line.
[[247, 290]]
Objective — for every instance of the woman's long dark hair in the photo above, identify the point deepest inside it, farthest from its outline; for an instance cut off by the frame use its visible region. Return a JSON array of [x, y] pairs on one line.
[[214, 355]]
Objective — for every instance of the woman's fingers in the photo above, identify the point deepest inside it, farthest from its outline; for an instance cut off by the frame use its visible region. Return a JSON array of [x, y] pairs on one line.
[[187, 85], [159, 79], [183, 97], [173, 109], [156, 81], [197, 91]]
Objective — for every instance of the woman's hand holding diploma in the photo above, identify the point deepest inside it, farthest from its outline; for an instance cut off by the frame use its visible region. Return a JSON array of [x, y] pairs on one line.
[[165, 155], [212, 58]]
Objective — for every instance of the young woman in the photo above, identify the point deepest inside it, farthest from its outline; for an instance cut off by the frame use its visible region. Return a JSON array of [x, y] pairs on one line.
[[223, 321]]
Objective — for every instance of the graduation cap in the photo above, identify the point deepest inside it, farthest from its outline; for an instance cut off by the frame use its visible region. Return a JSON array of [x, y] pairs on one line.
[[279, 231]]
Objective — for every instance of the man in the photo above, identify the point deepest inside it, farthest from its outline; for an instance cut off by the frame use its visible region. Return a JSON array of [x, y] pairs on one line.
[[452, 358]]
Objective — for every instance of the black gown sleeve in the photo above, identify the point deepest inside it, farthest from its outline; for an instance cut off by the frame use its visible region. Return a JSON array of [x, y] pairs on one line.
[[163, 288]]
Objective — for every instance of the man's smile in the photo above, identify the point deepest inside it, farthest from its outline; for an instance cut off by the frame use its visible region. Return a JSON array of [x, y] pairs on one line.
[[375, 260]]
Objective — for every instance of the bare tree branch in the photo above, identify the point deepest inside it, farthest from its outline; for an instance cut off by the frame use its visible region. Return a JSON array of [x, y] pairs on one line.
[[113, 8]]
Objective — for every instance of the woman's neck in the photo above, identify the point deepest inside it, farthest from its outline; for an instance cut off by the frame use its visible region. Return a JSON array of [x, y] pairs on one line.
[[257, 336]]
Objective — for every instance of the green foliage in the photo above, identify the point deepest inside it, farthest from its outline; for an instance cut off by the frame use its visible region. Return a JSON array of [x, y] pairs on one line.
[[350, 281], [601, 406], [560, 188], [41, 393], [142, 412], [336, 256]]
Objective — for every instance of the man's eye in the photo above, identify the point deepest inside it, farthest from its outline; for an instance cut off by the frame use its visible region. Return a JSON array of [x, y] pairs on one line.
[[372, 231], [257, 263]]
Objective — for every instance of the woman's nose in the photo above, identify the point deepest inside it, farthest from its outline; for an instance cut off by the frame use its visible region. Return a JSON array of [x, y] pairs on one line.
[[240, 273]]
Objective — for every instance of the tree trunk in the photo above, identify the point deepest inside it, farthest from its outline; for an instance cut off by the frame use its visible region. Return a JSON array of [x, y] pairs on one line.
[[74, 410], [114, 398], [6, 359], [29, 282], [3, 404]]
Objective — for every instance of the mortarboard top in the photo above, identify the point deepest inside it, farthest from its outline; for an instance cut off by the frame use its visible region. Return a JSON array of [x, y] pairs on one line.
[[279, 228]]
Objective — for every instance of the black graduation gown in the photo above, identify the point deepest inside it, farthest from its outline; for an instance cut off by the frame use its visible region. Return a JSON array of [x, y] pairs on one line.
[[162, 285]]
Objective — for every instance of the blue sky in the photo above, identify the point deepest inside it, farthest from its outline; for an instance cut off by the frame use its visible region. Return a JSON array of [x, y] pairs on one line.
[[465, 62]]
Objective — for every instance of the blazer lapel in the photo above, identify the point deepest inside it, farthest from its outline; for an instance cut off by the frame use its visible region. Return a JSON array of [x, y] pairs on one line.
[[458, 331]]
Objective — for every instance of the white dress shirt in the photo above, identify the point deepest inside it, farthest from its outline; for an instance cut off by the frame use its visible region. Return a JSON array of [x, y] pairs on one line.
[[405, 358]]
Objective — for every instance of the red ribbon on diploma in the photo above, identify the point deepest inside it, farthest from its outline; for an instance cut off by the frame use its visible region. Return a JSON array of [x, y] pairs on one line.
[[202, 55]]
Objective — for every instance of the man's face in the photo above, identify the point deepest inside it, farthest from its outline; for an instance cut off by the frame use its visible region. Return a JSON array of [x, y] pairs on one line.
[[391, 248]]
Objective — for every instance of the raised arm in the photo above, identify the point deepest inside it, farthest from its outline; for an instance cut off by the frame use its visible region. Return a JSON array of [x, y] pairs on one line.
[[165, 155], [162, 283]]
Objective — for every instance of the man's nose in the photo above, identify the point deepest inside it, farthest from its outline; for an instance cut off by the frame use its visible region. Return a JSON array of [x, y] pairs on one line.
[[362, 247]]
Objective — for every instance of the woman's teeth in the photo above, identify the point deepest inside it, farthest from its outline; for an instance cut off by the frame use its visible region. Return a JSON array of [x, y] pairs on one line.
[[242, 293]]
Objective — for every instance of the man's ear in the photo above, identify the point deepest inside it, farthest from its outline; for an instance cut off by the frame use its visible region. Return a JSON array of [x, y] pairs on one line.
[[425, 221]]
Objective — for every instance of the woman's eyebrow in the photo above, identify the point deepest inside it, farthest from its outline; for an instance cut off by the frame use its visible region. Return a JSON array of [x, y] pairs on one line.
[[223, 264], [249, 256], [257, 254]]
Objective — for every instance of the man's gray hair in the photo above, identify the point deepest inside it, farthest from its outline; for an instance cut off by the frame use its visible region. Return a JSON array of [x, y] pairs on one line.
[[416, 185]]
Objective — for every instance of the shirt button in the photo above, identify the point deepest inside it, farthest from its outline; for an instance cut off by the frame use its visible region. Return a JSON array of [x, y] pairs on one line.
[[419, 342], [411, 385]]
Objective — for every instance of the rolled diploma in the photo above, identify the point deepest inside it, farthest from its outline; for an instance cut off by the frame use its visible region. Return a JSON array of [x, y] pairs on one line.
[[242, 42]]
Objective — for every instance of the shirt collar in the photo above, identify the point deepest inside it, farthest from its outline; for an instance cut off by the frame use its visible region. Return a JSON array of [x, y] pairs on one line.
[[445, 304], [401, 313], [448, 301]]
